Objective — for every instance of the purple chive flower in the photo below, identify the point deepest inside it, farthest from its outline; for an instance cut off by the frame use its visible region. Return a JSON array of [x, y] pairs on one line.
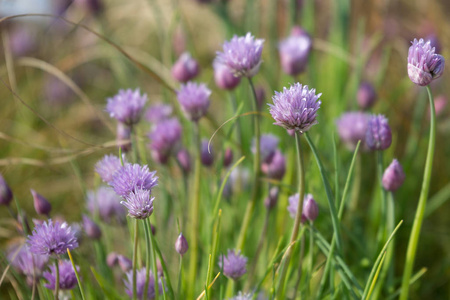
[[206, 155], [123, 137], [139, 204], [140, 284], [378, 136], [242, 55], [67, 277], [127, 106], [124, 263], [272, 199], [268, 144], [366, 95], [227, 157], [233, 264], [165, 138], [276, 168], [184, 160], [310, 208], [224, 77], [352, 127], [107, 203], [393, 176], [181, 245], [194, 100], [185, 68], [6, 195], [108, 165], [29, 264], [424, 64], [295, 108], [41, 205], [294, 51], [132, 177], [91, 228], [158, 112], [51, 238], [293, 205]]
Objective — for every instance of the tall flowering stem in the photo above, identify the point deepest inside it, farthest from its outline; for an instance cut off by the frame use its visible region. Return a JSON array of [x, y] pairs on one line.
[[298, 217], [57, 279], [256, 171], [382, 229], [195, 212], [135, 247], [414, 238], [151, 250]]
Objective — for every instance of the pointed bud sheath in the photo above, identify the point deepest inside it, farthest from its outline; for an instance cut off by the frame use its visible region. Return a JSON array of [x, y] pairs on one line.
[[123, 137], [393, 176], [378, 135], [206, 155], [366, 96], [41, 205], [124, 263], [181, 245], [277, 166], [424, 64], [91, 228], [227, 157], [184, 160], [112, 259], [185, 68], [310, 208], [6, 195], [260, 96], [223, 77], [272, 198]]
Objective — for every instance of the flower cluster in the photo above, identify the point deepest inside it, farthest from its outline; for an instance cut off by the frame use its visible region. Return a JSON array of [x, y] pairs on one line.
[[52, 238], [164, 139], [233, 264], [67, 277], [424, 64], [126, 107], [194, 100]]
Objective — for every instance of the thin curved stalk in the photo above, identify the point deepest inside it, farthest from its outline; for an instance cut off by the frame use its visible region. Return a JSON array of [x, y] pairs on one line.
[[417, 225], [135, 246], [57, 280]]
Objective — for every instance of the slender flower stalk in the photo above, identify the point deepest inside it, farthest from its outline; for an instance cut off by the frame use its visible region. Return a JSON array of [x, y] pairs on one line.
[[382, 233], [298, 217], [135, 246], [153, 252], [56, 279], [256, 171], [417, 225], [194, 230]]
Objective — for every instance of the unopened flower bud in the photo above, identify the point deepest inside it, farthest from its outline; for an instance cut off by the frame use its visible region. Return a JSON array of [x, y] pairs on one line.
[[260, 96], [277, 166], [112, 259], [6, 195], [224, 78], [310, 208], [124, 263], [206, 155], [227, 157], [393, 176], [41, 205], [184, 160], [294, 51], [185, 68], [91, 228], [424, 64], [181, 245], [366, 96], [272, 198]]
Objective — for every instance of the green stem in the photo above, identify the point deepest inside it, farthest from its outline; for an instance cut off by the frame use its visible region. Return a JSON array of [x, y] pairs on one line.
[[238, 122], [298, 217], [382, 228], [180, 278], [256, 170], [135, 246], [414, 238], [147, 258], [194, 230], [57, 280], [76, 275], [152, 248]]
